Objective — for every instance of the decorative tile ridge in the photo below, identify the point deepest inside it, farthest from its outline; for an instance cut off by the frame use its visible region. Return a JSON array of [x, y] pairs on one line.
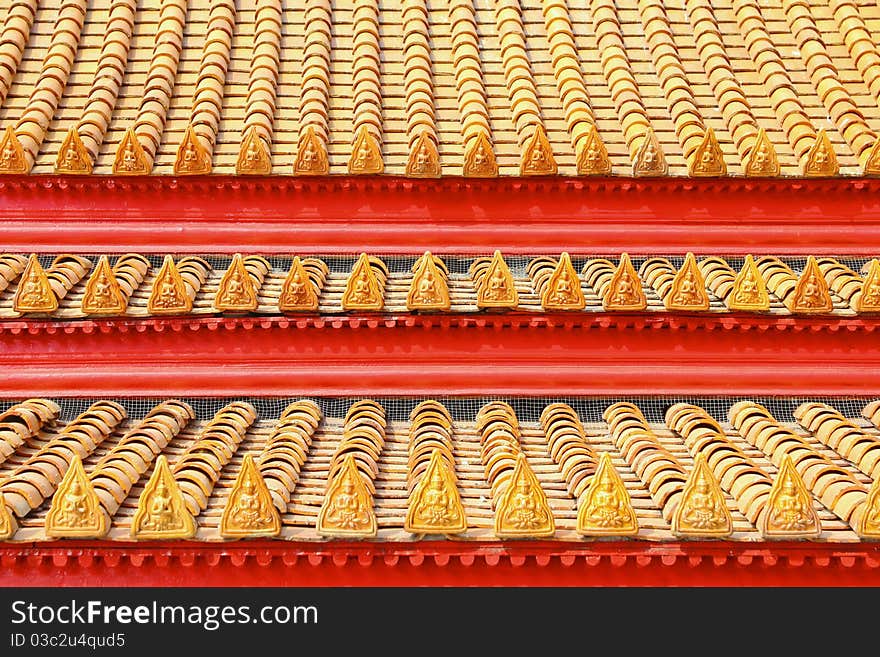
[[605, 554], [399, 184], [657, 320]]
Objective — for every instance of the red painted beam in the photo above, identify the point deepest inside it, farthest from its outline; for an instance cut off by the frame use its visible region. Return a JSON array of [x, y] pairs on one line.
[[447, 563], [461, 355], [453, 215]]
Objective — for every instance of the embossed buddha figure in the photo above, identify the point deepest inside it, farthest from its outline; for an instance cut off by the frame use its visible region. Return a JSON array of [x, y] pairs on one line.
[[252, 154], [74, 508], [345, 510], [423, 158], [748, 289], [190, 155], [32, 291], [790, 513], [235, 292], [687, 292], [71, 157], [871, 293], [102, 291], [8, 156], [160, 512], [608, 509], [761, 157], [249, 511], [309, 157], [363, 157], [129, 157], [649, 157], [362, 288], [563, 290], [812, 295], [537, 160], [872, 522], [525, 512], [427, 290], [437, 507], [701, 509], [296, 289], [497, 288], [624, 292], [168, 296]]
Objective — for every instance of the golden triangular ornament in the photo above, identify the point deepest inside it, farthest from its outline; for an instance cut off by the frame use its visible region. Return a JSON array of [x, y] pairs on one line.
[[103, 295], [169, 294], [131, 159], [479, 158], [605, 508], [249, 510], [702, 510], [311, 155], [563, 290], [362, 290], [688, 291], [424, 160], [762, 162], [348, 506], [76, 511], [821, 160], [34, 293], [192, 158], [523, 510], [708, 160], [789, 511], [12, 156], [236, 290], [253, 155], [161, 511], [435, 504], [497, 289], [366, 157], [428, 289], [749, 290], [811, 294], [592, 158], [869, 301], [537, 157], [869, 523], [297, 292], [624, 290], [649, 159], [73, 158]]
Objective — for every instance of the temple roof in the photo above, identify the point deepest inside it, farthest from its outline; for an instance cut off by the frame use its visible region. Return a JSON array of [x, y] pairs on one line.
[[441, 87], [669, 469]]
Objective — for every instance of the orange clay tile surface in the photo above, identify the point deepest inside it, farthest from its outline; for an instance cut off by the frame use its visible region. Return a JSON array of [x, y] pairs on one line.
[[441, 87]]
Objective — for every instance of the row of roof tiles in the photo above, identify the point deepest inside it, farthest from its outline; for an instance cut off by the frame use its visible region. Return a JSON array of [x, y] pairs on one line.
[[302, 475], [431, 87], [73, 286]]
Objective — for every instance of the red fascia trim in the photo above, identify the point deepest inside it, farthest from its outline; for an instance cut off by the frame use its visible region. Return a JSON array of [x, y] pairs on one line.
[[439, 563], [387, 215], [370, 356]]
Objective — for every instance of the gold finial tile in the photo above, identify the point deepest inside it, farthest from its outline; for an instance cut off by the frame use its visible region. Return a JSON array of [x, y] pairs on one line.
[[161, 511], [348, 506], [34, 293], [869, 523], [73, 157], [297, 292], [872, 160], [131, 159], [821, 160], [169, 295], [708, 160], [249, 510], [12, 156], [649, 160], [76, 511], [869, 302], [749, 289], [424, 160], [192, 158], [592, 159], [702, 511], [762, 162], [8, 525], [435, 505], [537, 158], [605, 508], [811, 293], [688, 291], [428, 289], [563, 290], [103, 295], [789, 511], [311, 155], [366, 158], [523, 510], [253, 155], [497, 289], [236, 291], [362, 290], [625, 288], [479, 159]]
